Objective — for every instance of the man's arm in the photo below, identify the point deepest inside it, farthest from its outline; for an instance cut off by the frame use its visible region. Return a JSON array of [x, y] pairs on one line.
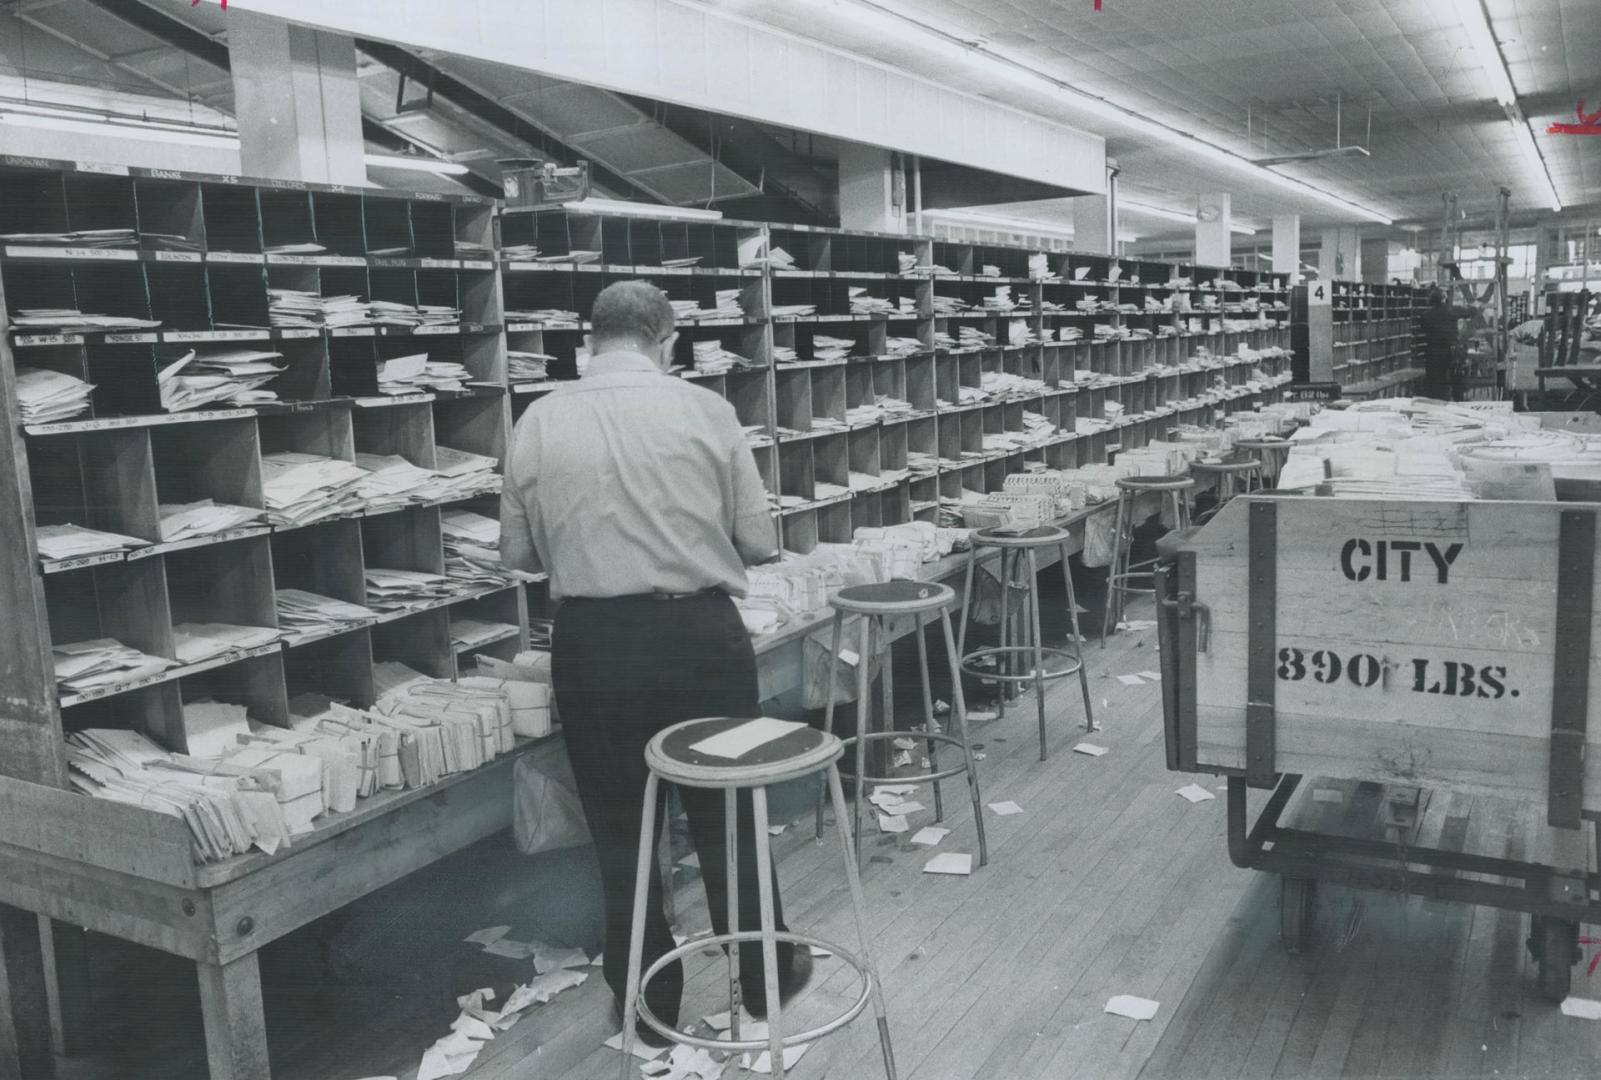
[[517, 550], [755, 534]]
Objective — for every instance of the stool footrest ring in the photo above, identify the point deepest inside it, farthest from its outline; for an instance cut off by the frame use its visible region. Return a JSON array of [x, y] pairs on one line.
[[1074, 663], [642, 1009], [942, 774]]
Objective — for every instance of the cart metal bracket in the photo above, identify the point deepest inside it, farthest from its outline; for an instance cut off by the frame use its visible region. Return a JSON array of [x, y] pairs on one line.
[[1570, 690], [1261, 637]]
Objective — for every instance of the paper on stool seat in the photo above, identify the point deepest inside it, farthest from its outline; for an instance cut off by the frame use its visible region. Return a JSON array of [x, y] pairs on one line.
[[738, 741]]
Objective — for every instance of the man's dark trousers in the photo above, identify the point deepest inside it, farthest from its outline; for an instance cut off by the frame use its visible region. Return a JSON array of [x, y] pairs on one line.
[[623, 670]]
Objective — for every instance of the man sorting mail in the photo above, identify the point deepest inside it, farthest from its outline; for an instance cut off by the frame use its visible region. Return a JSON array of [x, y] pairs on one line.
[[638, 494]]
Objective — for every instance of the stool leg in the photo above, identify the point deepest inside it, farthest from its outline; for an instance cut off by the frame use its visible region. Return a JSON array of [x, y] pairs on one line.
[[1039, 648], [967, 603], [928, 713], [1003, 662], [959, 712], [864, 724], [883, 753], [636, 935], [764, 892], [736, 991], [828, 710], [1078, 647], [859, 910], [1109, 615]]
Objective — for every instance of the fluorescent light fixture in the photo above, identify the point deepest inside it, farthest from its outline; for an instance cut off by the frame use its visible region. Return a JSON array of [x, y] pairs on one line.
[[112, 129], [978, 219], [892, 26], [1176, 215], [416, 163], [650, 210], [1476, 21]]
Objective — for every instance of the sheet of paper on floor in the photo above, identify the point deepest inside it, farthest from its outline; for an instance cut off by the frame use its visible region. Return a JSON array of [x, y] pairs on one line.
[[891, 823], [949, 862], [1090, 748], [1151, 676], [776, 830], [1195, 793], [487, 935], [1135, 1008], [1131, 680], [511, 950], [1006, 809], [893, 789], [764, 1060], [1583, 1008], [736, 742], [555, 958], [929, 835], [641, 1051]]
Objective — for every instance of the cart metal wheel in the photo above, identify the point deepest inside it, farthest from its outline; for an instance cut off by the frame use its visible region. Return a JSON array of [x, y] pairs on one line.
[[1554, 943], [1297, 911]]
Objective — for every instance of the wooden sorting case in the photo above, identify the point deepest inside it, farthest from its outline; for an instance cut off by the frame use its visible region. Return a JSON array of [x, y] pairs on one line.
[[1425, 643]]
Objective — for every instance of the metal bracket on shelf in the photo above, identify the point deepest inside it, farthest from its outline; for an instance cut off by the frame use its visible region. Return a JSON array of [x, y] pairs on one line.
[[1570, 688], [1261, 639]]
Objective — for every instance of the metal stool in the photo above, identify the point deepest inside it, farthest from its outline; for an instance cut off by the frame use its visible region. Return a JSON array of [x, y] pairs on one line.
[[802, 752], [1271, 452], [875, 604], [1176, 491], [1017, 557], [1233, 478]]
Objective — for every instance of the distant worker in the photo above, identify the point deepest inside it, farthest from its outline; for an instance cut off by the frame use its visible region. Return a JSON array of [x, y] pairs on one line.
[[1445, 364]]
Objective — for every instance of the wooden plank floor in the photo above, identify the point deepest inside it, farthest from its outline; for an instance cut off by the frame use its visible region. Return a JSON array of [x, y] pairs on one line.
[[1107, 884]]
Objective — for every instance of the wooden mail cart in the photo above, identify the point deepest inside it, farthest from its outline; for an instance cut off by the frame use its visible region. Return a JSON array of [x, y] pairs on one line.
[[1436, 645]]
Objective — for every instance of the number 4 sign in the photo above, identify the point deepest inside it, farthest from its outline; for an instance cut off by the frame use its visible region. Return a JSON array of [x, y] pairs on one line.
[[1317, 295]]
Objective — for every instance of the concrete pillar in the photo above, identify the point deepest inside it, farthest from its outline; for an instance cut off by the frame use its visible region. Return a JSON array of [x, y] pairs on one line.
[[1092, 224], [1340, 258], [1376, 260], [297, 101], [1287, 246], [1214, 240], [867, 191]]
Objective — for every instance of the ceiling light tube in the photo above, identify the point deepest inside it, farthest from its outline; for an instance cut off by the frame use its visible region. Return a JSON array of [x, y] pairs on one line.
[[416, 163], [650, 210], [975, 219], [1157, 211], [112, 129], [893, 25]]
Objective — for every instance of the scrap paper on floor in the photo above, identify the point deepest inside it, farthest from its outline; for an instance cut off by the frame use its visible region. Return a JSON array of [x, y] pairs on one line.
[[1195, 793], [1151, 676], [1089, 748], [511, 950], [764, 1060], [1006, 809], [892, 823], [1583, 1008], [1135, 1008], [488, 935], [1131, 680], [949, 862], [640, 1050], [930, 835], [738, 741]]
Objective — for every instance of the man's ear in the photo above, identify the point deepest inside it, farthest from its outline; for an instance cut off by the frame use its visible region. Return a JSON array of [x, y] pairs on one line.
[[669, 350]]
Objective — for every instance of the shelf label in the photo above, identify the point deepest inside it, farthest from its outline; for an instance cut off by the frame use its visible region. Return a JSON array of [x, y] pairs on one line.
[[291, 260], [131, 339], [434, 331], [252, 257], [61, 566], [177, 256], [477, 264], [100, 167], [352, 331], [216, 335], [439, 264], [337, 260], [45, 251], [47, 339], [293, 334]]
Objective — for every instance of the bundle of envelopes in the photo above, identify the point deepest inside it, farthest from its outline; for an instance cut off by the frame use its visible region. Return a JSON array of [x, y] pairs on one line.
[[300, 488], [184, 521], [235, 377], [89, 238], [551, 318], [522, 366], [408, 374], [88, 665], [71, 319], [462, 474], [516, 251], [825, 347], [227, 812], [455, 728], [70, 541], [863, 304], [466, 633], [392, 481], [712, 359], [196, 642], [299, 308], [392, 313], [902, 346], [400, 590], [303, 614], [44, 396], [472, 548]]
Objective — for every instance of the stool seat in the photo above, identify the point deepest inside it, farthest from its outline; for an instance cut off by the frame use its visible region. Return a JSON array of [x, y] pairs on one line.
[[1156, 483], [800, 752], [1245, 466], [898, 597], [1263, 444], [1038, 536]]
